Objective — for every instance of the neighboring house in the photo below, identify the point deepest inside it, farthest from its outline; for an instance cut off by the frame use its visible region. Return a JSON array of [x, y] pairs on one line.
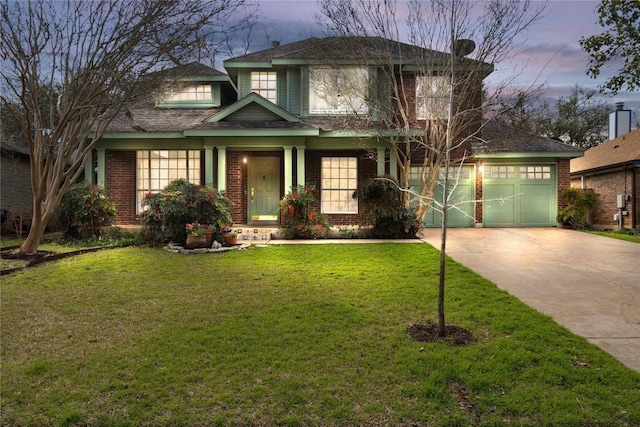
[[15, 184], [273, 123], [612, 169]]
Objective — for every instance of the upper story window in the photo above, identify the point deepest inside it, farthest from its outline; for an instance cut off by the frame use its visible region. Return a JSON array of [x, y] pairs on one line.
[[432, 97], [201, 92], [338, 91], [264, 83]]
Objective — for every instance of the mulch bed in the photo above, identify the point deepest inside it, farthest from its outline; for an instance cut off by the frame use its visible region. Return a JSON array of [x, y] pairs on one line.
[[428, 332], [41, 256]]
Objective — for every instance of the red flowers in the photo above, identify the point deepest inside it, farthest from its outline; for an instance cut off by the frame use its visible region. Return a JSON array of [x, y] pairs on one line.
[[312, 216]]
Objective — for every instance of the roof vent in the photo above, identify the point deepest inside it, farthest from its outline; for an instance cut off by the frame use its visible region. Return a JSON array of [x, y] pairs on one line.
[[275, 43], [619, 121]]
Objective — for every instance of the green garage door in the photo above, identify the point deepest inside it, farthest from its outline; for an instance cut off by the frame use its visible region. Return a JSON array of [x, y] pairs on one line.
[[461, 202], [519, 196]]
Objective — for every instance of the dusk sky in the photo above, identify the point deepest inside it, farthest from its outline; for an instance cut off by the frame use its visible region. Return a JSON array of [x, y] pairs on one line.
[[552, 54]]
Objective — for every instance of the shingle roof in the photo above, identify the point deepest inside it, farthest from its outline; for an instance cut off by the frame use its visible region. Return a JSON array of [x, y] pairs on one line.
[[344, 48], [500, 138], [192, 69], [150, 119], [622, 150]]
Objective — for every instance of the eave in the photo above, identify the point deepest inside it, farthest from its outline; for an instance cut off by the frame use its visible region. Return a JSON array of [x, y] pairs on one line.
[[520, 155]]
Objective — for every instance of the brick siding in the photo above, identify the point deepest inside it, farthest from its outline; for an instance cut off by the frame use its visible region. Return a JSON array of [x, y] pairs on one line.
[[15, 188], [608, 186], [121, 185]]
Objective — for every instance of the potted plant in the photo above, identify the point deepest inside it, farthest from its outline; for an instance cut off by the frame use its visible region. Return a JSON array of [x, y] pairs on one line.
[[196, 235], [229, 236]]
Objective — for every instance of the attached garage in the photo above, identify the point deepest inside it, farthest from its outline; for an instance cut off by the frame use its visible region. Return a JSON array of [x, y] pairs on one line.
[[522, 177], [461, 202], [519, 195]]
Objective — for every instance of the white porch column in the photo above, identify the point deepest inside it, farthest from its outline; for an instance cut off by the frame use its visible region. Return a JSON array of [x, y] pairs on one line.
[[300, 164], [208, 167], [288, 169], [393, 163], [380, 161], [102, 167], [222, 168]]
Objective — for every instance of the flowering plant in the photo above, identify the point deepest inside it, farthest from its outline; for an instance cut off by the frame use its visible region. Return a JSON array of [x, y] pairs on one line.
[[196, 229], [298, 216], [225, 229]]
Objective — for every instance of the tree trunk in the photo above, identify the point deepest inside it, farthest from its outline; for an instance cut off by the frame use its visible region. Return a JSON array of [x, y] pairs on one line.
[[38, 226]]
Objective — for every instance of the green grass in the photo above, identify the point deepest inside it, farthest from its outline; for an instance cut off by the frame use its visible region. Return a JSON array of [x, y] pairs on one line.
[[290, 335], [618, 235]]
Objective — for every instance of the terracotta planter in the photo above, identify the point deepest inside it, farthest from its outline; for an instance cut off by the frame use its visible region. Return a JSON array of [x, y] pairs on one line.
[[209, 236], [194, 242], [230, 239]]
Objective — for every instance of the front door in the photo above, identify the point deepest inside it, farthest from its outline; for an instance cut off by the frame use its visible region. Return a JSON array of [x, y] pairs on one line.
[[264, 190]]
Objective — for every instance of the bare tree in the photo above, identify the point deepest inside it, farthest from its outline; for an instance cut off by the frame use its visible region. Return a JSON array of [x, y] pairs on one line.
[[71, 66], [426, 97]]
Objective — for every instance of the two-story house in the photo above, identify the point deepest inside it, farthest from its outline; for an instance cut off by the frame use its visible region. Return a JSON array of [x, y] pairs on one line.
[[279, 118]]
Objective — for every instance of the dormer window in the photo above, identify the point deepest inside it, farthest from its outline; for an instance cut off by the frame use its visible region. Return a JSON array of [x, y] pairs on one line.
[[432, 97], [265, 84], [191, 95], [201, 92], [338, 90]]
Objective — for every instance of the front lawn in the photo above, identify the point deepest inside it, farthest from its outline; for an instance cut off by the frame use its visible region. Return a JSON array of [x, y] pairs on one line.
[[628, 235], [289, 335]]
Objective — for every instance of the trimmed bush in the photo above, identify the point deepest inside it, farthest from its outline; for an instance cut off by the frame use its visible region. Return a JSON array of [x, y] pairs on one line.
[[83, 210], [384, 210], [166, 213]]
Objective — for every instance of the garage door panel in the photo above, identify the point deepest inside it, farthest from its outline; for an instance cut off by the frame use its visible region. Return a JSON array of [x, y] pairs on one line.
[[519, 195], [534, 208], [499, 205]]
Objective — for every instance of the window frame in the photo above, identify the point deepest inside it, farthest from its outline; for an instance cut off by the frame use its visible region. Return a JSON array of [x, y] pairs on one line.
[[339, 84], [342, 181], [270, 78], [426, 105], [192, 169]]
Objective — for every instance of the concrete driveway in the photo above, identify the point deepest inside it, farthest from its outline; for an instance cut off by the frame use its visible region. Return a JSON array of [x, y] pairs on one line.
[[587, 283]]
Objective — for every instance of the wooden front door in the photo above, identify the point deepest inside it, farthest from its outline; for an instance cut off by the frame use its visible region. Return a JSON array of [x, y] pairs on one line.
[[264, 190]]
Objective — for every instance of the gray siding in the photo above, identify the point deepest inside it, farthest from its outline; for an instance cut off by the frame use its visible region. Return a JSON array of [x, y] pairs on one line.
[[294, 89]]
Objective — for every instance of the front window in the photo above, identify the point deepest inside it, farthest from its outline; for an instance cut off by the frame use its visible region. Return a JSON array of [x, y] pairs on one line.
[[338, 91], [339, 183], [264, 83], [432, 97], [157, 168], [191, 93]]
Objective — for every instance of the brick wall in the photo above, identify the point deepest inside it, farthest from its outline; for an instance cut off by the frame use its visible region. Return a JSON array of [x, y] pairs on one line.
[[564, 180], [608, 186], [367, 168], [121, 185]]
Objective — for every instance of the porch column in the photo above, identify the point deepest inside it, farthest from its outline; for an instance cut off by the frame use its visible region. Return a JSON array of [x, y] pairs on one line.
[[380, 161], [88, 170], [222, 168], [393, 164], [288, 169], [208, 167], [300, 164], [102, 167]]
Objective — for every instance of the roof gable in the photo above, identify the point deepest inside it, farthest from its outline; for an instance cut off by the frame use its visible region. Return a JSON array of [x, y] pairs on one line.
[[619, 151], [253, 107]]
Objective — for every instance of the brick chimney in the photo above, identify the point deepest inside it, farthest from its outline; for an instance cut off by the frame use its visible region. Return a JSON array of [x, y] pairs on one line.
[[619, 121]]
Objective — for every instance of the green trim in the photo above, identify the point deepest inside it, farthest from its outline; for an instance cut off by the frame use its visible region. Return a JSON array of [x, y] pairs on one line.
[[528, 155], [254, 98], [135, 144], [139, 135], [251, 132], [217, 78], [187, 104], [255, 65]]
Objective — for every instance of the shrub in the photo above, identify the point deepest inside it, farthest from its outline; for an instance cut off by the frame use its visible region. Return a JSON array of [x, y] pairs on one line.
[[579, 204], [166, 213], [385, 211], [298, 218], [83, 210]]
